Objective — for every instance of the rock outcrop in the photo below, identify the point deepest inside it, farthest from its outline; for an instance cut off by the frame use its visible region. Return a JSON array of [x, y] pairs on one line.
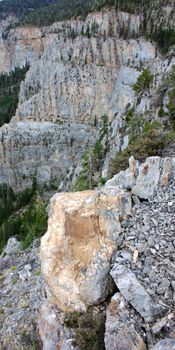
[[144, 179], [73, 81], [93, 233], [78, 246]]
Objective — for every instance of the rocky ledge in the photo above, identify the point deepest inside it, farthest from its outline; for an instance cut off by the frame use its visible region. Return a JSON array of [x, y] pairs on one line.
[[117, 240]]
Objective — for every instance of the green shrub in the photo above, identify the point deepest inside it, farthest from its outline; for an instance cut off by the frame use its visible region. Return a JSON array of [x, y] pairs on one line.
[[89, 328], [165, 38], [92, 161], [148, 126], [10, 202], [27, 225], [144, 80], [161, 112], [169, 84], [81, 182]]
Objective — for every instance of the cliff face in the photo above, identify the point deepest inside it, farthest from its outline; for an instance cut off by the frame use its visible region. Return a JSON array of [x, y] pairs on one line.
[[80, 71]]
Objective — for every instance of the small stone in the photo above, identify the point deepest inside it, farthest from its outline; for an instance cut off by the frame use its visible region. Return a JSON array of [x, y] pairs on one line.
[[136, 200], [173, 285], [170, 248], [135, 256], [163, 286], [135, 294], [161, 323], [174, 297]]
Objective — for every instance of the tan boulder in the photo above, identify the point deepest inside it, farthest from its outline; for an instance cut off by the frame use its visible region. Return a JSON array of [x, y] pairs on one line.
[[78, 246]]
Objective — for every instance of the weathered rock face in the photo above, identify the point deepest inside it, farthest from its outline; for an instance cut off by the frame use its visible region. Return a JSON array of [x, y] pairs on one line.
[[72, 83], [28, 43], [77, 248], [47, 151], [21, 45]]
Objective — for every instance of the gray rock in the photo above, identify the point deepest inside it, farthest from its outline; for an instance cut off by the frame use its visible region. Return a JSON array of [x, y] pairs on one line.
[[167, 344], [135, 294], [13, 246], [120, 331], [148, 178], [163, 286]]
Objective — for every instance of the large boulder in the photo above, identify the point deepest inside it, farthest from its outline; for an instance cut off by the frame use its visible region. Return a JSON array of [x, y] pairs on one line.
[[78, 246]]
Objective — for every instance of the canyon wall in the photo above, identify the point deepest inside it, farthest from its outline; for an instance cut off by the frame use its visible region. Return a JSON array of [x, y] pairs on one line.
[[79, 72]]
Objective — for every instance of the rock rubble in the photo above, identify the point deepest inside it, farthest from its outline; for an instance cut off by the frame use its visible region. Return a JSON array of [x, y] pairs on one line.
[[98, 231]]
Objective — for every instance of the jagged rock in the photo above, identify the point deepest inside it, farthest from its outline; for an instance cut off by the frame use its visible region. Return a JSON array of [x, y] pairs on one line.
[[77, 248], [120, 331], [161, 323], [48, 327], [13, 246], [53, 333], [125, 179], [135, 294], [167, 344], [148, 178], [25, 273], [144, 179]]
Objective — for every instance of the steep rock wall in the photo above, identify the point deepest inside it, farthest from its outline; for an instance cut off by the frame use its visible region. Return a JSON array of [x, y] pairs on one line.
[[80, 71]]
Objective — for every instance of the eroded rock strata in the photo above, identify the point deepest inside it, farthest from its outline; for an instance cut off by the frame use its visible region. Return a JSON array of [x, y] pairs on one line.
[[72, 83]]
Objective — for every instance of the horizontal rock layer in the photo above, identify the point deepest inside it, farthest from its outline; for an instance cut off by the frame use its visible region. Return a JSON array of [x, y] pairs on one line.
[[74, 79], [45, 151]]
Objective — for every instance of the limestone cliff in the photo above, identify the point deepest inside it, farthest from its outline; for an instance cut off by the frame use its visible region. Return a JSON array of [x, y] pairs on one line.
[[80, 71]]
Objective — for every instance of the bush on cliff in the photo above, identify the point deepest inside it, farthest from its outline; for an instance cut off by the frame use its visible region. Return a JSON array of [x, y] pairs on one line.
[[143, 82], [146, 145], [89, 328]]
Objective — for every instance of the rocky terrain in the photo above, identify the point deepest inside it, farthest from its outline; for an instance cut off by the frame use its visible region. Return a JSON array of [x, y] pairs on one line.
[[125, 229], [98, 92]]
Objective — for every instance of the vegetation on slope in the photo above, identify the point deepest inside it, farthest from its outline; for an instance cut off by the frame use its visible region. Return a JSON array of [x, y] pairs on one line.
[[89, 328], [92, 162], [9, 92], [21, 7], [148, 138], [157, 24], [22, 215], [143, 81]]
